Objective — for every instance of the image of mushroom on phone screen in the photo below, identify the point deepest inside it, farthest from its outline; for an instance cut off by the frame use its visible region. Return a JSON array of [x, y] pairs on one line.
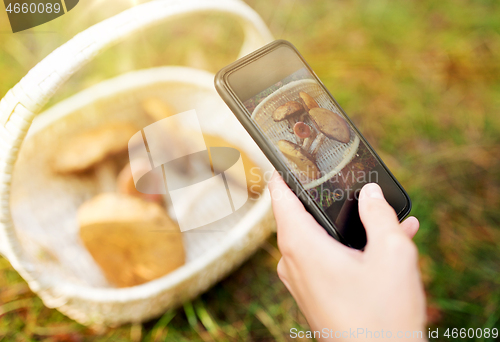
[[307, 136]]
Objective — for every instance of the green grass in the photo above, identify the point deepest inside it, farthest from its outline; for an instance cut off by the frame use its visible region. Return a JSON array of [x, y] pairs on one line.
[[421, 79]]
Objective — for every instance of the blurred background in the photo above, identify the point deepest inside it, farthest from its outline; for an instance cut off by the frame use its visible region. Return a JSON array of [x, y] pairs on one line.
[[421, 80]]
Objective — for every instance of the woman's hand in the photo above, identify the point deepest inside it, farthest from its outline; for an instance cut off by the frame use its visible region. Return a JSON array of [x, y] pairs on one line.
[[339, 288]]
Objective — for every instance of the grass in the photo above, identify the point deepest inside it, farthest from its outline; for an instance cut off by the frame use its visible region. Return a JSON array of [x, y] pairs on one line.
[[421, 79]]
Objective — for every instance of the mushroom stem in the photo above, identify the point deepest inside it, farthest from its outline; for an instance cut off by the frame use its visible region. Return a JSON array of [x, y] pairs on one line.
[[302, 118], [320, 139], [106, 176], [309, 140]]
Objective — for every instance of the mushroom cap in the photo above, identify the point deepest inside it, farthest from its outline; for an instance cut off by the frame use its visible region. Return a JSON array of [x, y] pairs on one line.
[[90, 147], [331, 124], [133, 241], [288, 110], [302, 130], [308, 101], [304, 161], [114, 207]]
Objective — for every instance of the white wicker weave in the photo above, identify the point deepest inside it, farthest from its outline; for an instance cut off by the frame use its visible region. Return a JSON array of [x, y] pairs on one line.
[[332, 155], [89, 303]]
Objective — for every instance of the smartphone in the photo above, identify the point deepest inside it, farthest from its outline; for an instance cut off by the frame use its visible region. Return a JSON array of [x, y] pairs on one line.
[[308, 138]]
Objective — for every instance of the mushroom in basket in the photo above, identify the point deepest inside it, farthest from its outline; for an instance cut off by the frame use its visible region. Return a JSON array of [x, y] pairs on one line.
[[308, 101], [132, 240], [331, 124], [90, 148], [302, 130], [304, 161], [328, 123], [289, 111]]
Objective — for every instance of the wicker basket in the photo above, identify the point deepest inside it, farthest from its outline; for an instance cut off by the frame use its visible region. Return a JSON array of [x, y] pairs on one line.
[[38, 233], [332, 155]]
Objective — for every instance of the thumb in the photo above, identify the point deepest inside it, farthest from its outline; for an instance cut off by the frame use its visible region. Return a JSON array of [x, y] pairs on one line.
[[378, 217]]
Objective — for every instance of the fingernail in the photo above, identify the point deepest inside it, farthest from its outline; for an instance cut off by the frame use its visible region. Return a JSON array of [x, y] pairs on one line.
[[371, 190], [412, 218]]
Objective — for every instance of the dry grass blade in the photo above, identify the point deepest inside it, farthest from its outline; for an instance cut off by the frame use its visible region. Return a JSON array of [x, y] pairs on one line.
[[193, 322], [136, 332], [160, 329], [270, 324], [207, 321], [15, 305]]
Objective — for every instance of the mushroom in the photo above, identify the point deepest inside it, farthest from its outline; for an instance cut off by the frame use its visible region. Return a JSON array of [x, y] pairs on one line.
[[132, 240], [321, 139], [303, 116], [331, 124], [288, 111], [308, 101], [304, 161], [301, 130], [89, 148], [309, 140]]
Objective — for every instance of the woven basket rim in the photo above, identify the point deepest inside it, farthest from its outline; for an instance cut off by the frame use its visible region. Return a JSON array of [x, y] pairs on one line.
[[120, 84], [108, 88]]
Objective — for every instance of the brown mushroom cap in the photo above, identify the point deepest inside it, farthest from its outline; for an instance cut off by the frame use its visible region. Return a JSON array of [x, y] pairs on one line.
[[302, 130], [308, 101], [331, 124], [91, 147], [288, 110], [304, 161], [133, 241]]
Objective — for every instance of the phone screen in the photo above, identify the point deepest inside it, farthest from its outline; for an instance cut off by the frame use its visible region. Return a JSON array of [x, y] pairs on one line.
[[316, 141]]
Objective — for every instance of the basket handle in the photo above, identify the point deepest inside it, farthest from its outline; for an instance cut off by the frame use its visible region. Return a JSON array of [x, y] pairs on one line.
[[26, 99]]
